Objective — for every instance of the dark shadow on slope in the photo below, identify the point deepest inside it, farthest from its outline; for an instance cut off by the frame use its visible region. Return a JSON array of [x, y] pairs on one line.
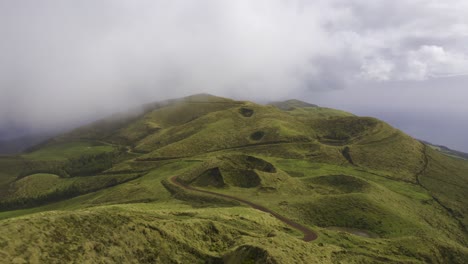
[[339, 183], [259, 164], [242, 178], [258, 135], [246, 112], [211, 177], [249, 254], [346, 154]]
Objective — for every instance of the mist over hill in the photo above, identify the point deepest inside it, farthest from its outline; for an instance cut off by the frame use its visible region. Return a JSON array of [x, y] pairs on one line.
[[359, 56], [440, 128], [220, 131], [219, 180]]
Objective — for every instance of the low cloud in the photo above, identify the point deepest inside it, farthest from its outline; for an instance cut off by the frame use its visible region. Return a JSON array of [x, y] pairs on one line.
[[65, 62], [426, 62]]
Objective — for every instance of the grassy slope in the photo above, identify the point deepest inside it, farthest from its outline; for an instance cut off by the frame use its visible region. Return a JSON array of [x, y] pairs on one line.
[[292, 104], [446, 179], [68, 150], [10, 168], [383, 186], [212, 132], [148, 233]]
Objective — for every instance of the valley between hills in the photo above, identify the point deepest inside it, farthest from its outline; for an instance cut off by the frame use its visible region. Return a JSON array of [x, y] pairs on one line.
[[206, 179]]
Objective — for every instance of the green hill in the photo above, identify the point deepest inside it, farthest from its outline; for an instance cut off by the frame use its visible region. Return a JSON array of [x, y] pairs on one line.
[[292, 104], [206, 179]]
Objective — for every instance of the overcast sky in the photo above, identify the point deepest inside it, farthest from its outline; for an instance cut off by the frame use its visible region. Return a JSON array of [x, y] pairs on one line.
[[405, 61]]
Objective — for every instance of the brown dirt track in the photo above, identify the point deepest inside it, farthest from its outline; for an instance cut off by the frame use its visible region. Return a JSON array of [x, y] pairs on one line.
[[309, 235]]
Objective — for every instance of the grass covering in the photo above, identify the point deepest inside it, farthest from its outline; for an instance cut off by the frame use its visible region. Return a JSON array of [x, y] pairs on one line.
[[68, 150], [109, 198]]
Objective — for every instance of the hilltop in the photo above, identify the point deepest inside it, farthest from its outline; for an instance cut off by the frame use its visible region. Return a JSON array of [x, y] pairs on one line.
[[292, 104], [207, 179]]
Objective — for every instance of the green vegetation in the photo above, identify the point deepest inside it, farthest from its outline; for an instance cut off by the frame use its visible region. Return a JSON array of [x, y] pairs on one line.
[[103, 192], [292, 104], [39, 189], [68, 150], [446, 179]]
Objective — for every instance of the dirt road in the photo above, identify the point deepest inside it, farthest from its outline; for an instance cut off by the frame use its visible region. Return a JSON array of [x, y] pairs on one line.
[[309, 235]]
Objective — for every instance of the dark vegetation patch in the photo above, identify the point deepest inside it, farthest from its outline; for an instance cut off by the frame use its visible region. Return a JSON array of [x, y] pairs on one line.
[[233, 170], [246, 112], [93, 164], [152, 129], [337, 135], [249, 254], [353, 212], [343, 128], [211, 177], [347, 155], [340, 183], [10, 170], [259, 164], [257, 135], [29, 167], [242, 178]]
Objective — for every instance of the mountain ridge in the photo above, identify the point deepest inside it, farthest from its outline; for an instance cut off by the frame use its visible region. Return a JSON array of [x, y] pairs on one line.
[[370, 192]]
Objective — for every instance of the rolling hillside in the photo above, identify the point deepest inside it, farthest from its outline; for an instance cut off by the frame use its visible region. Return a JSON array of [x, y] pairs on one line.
[[205, 179]]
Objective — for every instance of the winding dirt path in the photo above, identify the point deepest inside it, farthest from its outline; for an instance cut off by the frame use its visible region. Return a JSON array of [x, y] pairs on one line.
[[309, 235], [224, 149]]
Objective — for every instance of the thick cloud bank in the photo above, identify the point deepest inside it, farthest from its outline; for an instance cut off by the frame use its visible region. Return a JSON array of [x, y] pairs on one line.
[[63, 62]]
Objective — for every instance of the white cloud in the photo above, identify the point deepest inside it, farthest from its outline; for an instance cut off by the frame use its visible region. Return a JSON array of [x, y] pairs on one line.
[[422, 63], [377, 69], [435, 61], [58, 56]]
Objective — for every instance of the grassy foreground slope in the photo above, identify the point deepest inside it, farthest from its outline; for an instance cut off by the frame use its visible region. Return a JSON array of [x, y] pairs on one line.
[[102, 193]]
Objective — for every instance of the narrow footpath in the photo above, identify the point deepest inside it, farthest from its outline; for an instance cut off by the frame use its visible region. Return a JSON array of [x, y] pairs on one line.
[[309, 235]]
